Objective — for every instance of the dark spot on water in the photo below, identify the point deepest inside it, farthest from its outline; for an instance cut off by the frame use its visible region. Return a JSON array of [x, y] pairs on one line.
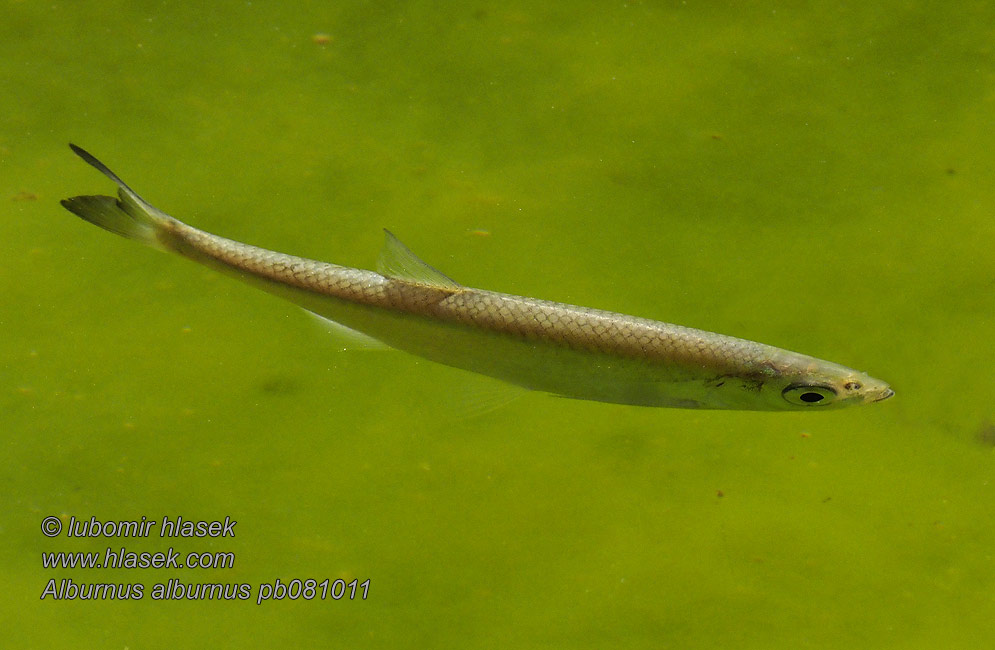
[[986, 435], [278, 385]]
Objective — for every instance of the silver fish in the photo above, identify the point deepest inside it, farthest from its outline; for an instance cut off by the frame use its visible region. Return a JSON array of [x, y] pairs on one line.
[[546, 346]]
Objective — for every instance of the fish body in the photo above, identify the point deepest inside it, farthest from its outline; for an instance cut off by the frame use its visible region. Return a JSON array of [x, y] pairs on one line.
[[541, 345]]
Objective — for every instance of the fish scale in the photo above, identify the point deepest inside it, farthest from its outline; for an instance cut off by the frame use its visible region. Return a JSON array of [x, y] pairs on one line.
[[540, 320]]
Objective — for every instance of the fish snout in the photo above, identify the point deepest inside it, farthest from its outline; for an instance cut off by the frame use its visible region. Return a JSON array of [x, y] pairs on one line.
[[883, 395]]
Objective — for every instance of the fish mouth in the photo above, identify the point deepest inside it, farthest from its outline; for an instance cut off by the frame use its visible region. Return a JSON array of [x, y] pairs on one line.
[[883, 395]]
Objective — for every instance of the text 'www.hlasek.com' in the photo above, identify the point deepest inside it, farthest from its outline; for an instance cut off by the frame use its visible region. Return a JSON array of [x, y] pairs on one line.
[[116, 556]]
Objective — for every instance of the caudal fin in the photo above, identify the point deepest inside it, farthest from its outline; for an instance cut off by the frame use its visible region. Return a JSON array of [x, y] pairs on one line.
[[128, 215]]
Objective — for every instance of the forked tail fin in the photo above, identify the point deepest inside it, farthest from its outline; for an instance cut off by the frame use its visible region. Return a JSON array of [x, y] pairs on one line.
[[129, 215]]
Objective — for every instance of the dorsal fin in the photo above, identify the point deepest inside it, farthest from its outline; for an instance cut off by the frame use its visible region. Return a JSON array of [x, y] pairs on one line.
[[397, 261]]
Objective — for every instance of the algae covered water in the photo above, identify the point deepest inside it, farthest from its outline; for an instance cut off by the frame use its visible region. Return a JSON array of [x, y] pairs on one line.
[[814, 177]]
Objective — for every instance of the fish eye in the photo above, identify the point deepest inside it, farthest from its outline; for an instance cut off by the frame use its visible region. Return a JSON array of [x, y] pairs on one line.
[[806, 395]]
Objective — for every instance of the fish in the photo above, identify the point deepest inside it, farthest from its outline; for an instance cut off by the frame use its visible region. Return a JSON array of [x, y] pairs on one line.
[[566, 350]]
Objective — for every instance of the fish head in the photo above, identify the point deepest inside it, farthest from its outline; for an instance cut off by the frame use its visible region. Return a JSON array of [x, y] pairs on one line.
[[821, 385]]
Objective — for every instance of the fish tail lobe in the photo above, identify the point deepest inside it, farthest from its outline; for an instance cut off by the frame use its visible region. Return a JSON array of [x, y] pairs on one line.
[[127, 214]]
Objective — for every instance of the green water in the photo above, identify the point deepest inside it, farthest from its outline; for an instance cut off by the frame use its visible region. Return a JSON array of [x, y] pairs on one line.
[[810, 175]]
